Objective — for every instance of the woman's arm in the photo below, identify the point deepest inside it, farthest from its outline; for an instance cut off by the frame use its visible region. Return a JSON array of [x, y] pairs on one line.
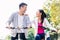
[[48, 25]]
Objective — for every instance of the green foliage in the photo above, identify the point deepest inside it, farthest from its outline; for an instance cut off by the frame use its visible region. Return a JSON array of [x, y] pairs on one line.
[[8, 37], [31, 34], [52, 9]]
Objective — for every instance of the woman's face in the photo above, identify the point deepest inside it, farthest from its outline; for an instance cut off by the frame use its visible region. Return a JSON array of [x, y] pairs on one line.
[[38, 14]]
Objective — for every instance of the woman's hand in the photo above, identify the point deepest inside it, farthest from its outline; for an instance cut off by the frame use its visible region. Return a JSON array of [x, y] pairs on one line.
[[55, 31]]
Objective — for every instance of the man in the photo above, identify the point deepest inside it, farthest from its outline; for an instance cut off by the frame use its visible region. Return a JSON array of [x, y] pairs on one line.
[[19, 21]]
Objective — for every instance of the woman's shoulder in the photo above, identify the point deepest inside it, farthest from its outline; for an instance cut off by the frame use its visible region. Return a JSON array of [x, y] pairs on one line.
[[45, 19]]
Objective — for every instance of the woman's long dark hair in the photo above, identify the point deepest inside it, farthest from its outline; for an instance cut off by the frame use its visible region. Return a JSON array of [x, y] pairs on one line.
[[43, 15]]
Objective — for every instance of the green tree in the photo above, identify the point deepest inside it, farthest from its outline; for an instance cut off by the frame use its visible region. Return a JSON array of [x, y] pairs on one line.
[[52, 8]]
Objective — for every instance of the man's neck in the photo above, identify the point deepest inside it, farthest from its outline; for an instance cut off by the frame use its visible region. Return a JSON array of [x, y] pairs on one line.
[[20, 13]]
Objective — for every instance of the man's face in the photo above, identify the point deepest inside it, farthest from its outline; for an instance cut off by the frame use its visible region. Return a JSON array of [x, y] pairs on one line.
[[23, 8]]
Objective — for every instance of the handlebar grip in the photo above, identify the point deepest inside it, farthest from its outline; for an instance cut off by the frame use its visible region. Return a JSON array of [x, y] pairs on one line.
[[53, 31]]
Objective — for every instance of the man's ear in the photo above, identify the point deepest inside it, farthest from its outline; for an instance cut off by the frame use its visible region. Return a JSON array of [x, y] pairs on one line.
[[26, 14]]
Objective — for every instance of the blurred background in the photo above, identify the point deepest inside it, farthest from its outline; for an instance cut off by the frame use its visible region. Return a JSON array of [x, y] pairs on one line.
[[51, 8]]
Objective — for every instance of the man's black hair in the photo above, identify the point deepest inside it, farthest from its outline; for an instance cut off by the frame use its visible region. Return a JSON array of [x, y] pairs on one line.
[[22, 4]]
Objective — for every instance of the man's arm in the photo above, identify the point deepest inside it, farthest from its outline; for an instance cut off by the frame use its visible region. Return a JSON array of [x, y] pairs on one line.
[[48, 25], [10, 20], [28, 21]]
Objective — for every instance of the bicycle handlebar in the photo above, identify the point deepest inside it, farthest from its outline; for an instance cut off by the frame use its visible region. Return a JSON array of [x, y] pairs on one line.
[[17, 28]]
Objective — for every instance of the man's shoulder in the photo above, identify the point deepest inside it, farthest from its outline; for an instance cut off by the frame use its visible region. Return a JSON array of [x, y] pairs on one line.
[[15, 13], [26, 15]]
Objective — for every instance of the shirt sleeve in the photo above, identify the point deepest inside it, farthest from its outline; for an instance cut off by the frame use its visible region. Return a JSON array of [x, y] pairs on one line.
[[10, 19], [28, 22], [48, 25]]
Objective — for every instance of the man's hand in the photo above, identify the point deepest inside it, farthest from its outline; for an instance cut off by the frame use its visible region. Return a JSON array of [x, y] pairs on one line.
[[18, 28], [25, 27], [8, 27], [29, 27]]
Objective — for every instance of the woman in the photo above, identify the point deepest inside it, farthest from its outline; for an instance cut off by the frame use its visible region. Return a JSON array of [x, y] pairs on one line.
[[40, 22]]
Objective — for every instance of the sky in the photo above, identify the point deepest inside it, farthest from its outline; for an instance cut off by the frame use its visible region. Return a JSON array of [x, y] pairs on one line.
[[8, 7]]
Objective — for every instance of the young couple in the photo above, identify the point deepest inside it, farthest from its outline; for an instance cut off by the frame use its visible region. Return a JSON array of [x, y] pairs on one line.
[[21, 22]]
